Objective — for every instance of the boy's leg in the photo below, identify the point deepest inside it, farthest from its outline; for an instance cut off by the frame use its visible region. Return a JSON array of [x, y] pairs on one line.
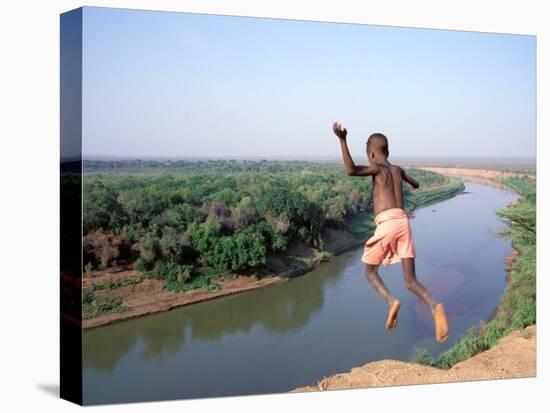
[[371, 273], [438, 311], [413, 285]]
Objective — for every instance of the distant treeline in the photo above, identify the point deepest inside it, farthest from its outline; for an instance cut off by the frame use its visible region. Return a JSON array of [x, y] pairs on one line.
[[208, 166], [516, 166]]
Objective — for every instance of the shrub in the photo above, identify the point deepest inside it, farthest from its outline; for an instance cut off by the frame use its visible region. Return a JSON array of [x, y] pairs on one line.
[[468, 346], [322, 256], [103, 246], [200, 281], [213, 287], [139, 265], [422, 356], [172, 272], [96, 306], [525, 314], [88, 268]]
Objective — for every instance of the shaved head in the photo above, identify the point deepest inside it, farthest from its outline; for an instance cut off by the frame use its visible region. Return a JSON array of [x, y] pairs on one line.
[[378, 143]]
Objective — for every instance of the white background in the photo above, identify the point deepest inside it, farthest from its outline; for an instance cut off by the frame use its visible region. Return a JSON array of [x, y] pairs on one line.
[[29, 234]]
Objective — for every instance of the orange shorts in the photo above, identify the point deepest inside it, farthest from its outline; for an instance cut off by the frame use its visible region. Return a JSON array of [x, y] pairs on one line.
[[392, 239]]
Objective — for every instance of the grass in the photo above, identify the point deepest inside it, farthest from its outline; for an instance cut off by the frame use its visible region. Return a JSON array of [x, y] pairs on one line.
[[317, 258], [113, 285], [198, 280], [178, 278], [179, 286], [518, 305], [432, 194], [421, 356], [523, 185], [96, 306], [362, 224], [322, 256]]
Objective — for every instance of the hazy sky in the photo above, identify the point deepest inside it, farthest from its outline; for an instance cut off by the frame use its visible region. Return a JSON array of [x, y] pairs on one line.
[[176, 84]]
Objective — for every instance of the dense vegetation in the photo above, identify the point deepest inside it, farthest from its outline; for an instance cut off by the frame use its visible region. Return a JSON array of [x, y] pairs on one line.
[[185, 222], [518, 306], [437, 191]]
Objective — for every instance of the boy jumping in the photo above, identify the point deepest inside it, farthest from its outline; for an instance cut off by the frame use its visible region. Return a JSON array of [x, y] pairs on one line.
[[392, 241]]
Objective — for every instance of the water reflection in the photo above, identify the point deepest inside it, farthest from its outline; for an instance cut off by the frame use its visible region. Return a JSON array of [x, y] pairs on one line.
[[279, 308]]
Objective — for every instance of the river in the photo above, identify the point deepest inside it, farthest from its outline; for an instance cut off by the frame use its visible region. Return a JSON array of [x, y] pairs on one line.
[[274, 339]]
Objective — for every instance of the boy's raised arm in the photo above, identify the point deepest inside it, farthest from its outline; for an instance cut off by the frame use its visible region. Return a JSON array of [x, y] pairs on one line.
[[412, 182], [351, 168]]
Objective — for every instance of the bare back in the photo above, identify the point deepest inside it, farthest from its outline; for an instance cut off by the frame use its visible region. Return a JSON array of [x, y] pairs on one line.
[[387, 188]]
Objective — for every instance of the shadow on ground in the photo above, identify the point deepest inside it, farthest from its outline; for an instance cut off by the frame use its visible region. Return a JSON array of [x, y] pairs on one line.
[[52, 389]]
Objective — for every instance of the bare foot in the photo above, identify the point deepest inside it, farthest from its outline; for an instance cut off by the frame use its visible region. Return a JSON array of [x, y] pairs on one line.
[[391, 321], [441, 326]]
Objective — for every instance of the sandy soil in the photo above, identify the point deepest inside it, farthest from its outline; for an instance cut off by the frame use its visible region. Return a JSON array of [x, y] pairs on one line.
[[482, 176], [467, 172], [513, 356], [147, 296]]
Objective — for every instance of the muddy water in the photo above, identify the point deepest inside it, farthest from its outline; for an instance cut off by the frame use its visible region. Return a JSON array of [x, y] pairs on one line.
[[275, 339]]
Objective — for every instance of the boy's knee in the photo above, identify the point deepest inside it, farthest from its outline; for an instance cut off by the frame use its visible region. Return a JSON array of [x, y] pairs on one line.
[[411, 285], [370, 273], [369, 268]]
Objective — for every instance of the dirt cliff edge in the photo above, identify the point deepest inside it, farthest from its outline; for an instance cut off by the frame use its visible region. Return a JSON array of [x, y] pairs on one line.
[[514, 356]]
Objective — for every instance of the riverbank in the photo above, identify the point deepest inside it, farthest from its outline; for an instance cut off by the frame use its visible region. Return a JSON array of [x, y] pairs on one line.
[[517, 307], [513, 356], [140, 296], [123, 293], [496, 349]]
